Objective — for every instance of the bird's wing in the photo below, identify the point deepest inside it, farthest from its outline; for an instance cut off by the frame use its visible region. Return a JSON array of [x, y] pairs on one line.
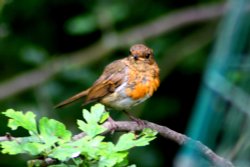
[[111, 78]]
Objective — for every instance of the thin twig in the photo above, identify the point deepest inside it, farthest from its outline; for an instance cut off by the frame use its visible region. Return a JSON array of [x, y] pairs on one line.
[[7, 137]]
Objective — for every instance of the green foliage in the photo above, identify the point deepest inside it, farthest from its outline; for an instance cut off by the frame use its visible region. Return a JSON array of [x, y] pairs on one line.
[[81, 24], [91, 126], [33, 55], [17, 118], [50, 138], [87, 23]]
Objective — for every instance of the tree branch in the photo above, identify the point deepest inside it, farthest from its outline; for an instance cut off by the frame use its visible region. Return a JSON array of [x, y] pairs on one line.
[[164, 24], [179, 138], [167, 133]]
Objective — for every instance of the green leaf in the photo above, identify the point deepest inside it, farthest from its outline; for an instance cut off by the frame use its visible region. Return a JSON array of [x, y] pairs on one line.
[[149, 132], [97, 110], [14, 147], [129, 140], [33, 148], [125, 142], [87, 116], [87, 146], [91, 127], [111, 159], [107, 154], [65, 152], [78, 161], [109, 162], [96, 114], [104, 117], [53, 131], [11, 147], [147, 135], [124, 162], [143, 141], [92, 146], [18, 118]]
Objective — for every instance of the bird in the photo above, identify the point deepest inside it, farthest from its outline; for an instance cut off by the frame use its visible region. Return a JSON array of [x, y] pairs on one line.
[[124, 83]]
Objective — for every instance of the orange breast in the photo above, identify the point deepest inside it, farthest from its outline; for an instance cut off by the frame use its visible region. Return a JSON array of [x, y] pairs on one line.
[[141, 86]]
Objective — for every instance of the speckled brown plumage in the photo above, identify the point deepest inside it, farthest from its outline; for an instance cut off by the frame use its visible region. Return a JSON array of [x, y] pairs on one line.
[[124, 83]]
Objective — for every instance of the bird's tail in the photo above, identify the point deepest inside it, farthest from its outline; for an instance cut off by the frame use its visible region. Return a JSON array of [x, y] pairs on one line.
[[72, 99]]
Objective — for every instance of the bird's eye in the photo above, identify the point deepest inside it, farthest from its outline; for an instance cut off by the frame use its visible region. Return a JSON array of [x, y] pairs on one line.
[[147, 55], [135, 57]]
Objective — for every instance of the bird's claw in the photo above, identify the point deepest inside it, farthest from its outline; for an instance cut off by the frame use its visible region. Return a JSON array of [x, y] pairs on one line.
[[113, 125]]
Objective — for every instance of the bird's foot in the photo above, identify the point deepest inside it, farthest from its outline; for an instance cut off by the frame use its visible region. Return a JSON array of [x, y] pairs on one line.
[[113, 125], [139, 121]]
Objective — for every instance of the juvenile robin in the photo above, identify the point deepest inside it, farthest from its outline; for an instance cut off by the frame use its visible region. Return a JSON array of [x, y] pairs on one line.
[[124, 83]]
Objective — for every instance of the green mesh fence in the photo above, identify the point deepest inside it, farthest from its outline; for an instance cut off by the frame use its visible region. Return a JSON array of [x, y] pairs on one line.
[[221, 114]]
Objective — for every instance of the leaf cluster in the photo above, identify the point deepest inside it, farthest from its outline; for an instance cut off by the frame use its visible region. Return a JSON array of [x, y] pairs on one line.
[[49, 138]]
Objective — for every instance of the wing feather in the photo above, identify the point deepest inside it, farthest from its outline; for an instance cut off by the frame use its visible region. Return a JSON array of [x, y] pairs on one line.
[[111, 78]]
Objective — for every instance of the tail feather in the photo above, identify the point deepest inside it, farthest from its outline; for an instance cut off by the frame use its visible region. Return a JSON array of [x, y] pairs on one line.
[[72, 99]]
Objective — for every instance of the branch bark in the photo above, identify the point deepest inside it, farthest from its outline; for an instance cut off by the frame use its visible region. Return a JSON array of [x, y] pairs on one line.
[[179, 138], [95, 52], [167, 133]]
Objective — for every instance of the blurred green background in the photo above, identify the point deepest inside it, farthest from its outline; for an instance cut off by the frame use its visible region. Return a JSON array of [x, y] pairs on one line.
[[53, 49]]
